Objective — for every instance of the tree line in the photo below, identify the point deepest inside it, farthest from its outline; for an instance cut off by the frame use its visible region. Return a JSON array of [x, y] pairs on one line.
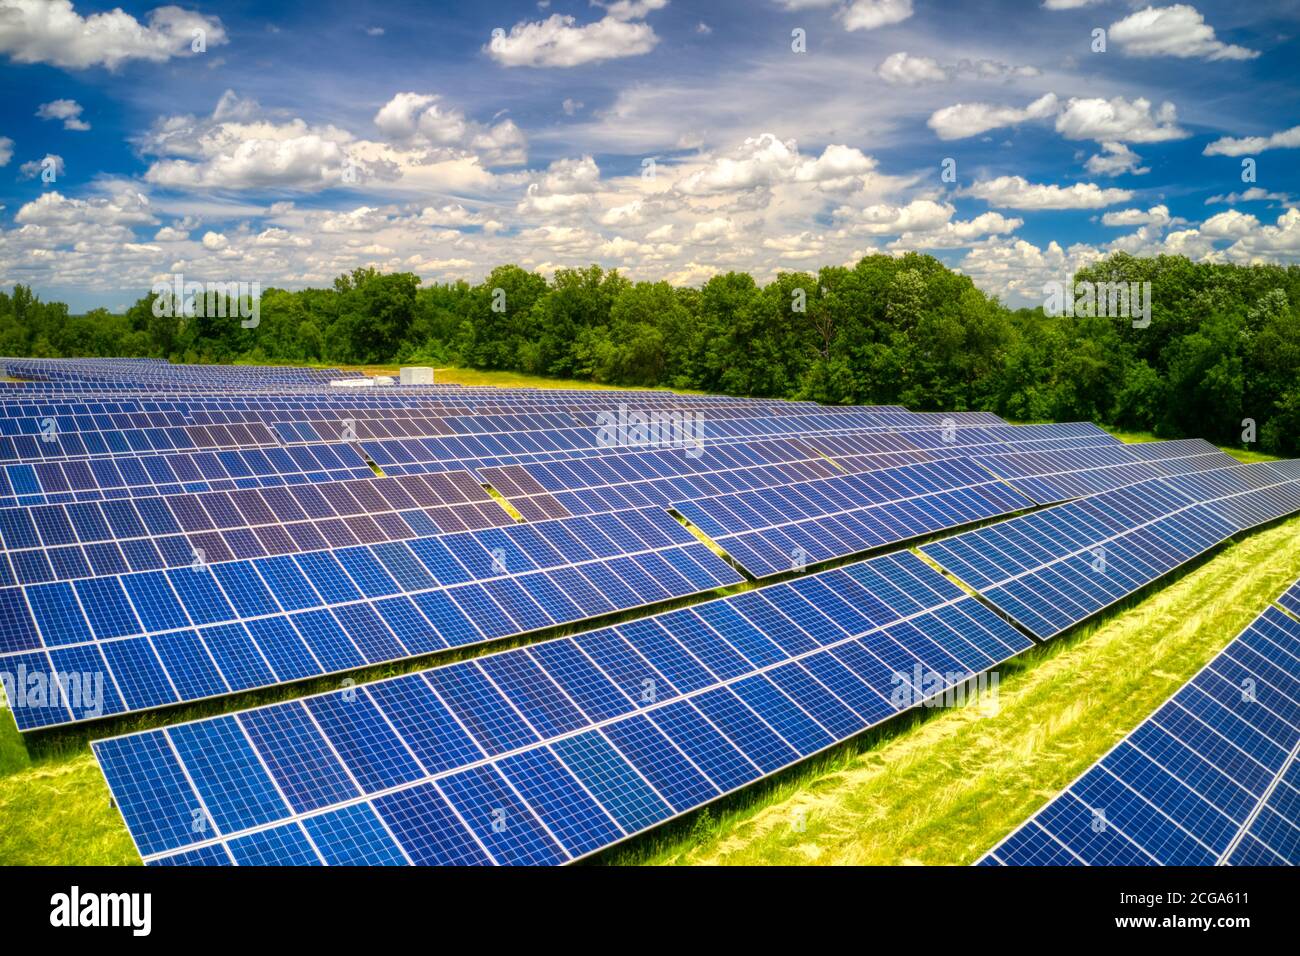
[[1220, 358]]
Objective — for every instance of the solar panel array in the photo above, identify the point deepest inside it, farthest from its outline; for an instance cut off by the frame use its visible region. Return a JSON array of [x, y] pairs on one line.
[[160, 637], [1212, 777], [182, 532], [1052, 569], [775, 530], [545, 754]]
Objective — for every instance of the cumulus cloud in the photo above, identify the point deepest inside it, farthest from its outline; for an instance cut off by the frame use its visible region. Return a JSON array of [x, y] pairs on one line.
[[970, 119], [1229, 225], [1016, 270], [1179, 31], [1228, 146], [421, 120], [767, 160], [872, 14], [1015, 192], [558, 41], [242, 146], [69, 111], [1269, 243], [1156, 215], [904, 69], [1119, 120], [1114, 160], [52, 32], [125, 208]]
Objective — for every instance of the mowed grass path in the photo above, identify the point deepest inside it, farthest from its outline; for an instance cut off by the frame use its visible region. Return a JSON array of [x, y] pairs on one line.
[[943, 787]]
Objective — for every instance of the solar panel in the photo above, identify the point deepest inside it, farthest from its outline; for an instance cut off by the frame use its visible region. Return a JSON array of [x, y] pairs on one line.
[[777, 530], [158, 637], [1291, 600], [1051, 569], [548, 753], [1210, 778], [1057, 475]]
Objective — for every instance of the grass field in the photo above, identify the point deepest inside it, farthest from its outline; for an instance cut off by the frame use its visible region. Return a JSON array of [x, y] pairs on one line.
[[937, 787]]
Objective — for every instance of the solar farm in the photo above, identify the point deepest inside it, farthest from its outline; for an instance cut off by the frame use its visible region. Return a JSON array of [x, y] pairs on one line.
[[517, 626]]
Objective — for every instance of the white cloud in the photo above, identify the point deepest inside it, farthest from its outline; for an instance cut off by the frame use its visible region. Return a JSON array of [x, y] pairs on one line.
[[1228, 146], [713, 230], [6, 150], [124, 208], [51, 31], [558, 41], [1229, 225], [69, 111], [572, 176], [1016, 270], [1015, 192], [34, 168], [970, 119], [571, 106], [452, 214], [374, 31], [1179, 31], [872, 14], [631, 9], [1253, 194], [241, 146], [419, 120], [215, 241], [766, 160], [958, 233], [1119, 120], [1156, 215], [1068, 4], [904, 69], [1270, 243], [1115, 159]]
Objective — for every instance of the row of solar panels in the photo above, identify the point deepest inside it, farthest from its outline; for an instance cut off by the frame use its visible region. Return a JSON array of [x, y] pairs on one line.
[[1212, 777], [544, 754], [900, 508], [547, 753], [160, 637]]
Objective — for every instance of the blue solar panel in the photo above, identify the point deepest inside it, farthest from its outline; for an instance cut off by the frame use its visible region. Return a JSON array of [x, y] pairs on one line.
[[284, 618], [546, 753], [1210, 778], [1054, 568]]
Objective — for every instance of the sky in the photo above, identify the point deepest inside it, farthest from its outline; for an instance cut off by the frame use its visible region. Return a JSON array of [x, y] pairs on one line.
[[284, 143]]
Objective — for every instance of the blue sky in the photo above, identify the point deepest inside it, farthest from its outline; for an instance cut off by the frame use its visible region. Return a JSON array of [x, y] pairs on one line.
[[666, 138]]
